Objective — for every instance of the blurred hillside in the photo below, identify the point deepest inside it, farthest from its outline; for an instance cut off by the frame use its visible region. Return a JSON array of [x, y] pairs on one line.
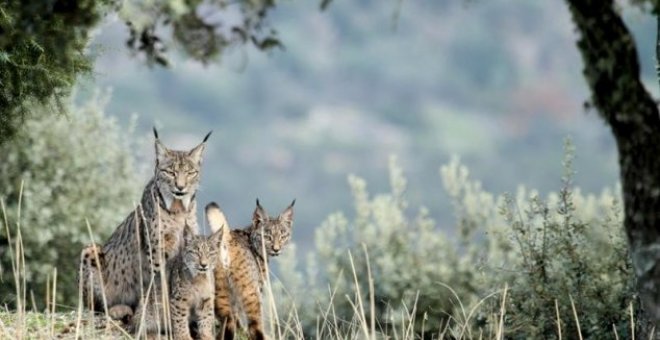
[[497, 82]]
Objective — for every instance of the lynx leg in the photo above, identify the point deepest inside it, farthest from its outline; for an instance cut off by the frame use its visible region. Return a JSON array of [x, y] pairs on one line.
[[255, 327], [149, 315], [180, 323], [250, 294], [89, 276], [205, 320], [223, 307]]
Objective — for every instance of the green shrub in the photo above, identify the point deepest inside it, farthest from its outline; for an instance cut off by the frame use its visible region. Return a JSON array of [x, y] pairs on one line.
[[573, 253], [542, 251], [412, 264], [73, 168]]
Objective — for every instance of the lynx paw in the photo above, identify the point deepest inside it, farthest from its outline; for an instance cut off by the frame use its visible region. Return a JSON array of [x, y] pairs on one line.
[[120, 312]]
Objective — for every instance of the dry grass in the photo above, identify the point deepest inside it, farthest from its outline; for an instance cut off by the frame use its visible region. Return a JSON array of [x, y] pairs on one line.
[[58, 322]]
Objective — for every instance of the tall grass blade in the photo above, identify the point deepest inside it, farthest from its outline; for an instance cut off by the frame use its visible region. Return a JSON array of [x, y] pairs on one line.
[[577, 320]]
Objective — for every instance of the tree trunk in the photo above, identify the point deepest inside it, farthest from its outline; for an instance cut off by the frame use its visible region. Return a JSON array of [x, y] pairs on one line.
[[612, 71], [657, 48]]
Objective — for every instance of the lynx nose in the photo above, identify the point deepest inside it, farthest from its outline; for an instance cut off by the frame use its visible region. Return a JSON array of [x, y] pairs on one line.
[[178, 190], [179, 182], [203, 266]]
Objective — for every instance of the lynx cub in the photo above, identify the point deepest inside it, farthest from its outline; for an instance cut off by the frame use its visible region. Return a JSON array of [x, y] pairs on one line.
[[243, 281], [137, 252], [192, 286]]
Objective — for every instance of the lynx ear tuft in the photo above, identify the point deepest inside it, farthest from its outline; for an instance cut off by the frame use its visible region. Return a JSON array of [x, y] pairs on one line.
[[196, 152], [259, 214], [207, 136], [161, 150]]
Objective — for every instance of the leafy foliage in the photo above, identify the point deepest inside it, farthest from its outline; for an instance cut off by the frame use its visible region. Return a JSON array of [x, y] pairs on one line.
[[201, 29], [41, 53], [73, 169], [42, 43], [566, 247]]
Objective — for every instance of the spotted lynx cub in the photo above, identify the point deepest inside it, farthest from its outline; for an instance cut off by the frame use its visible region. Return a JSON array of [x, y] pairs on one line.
[[192, 284], [243, 282], [135, 256]]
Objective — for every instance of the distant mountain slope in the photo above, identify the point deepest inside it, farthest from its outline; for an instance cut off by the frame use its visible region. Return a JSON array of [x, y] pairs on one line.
[[497, 82]]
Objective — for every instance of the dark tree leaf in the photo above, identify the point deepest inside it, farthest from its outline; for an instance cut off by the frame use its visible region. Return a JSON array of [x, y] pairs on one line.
[[268, 44], [325, 4]]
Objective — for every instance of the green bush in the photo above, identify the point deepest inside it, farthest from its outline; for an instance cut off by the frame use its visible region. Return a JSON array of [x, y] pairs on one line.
[[542, 252], [573, 260], [72, 168]]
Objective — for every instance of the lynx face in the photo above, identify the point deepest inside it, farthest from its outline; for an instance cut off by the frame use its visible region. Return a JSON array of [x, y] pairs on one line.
[[177, 172], [273, 232], [200, 252]]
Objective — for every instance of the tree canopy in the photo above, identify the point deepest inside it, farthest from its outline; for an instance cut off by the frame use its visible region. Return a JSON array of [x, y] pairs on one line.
[[42, 51], [43, 43]]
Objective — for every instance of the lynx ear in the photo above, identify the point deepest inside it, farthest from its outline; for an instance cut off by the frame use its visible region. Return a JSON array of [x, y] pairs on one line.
[[188, 234], [216, 239], [196, 152], [216, 218], [259, 214], [287, 214], [161, 150]]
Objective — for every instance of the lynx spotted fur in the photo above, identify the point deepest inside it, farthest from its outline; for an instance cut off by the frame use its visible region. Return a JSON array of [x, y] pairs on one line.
[[191, 285], [238, 289], [134, 259]]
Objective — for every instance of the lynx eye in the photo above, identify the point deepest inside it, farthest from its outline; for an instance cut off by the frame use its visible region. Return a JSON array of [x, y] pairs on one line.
[[168, 172], [192, 173]]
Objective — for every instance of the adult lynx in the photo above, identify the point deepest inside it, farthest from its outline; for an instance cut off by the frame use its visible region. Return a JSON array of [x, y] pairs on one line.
[[135, 257], [249, 249]]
